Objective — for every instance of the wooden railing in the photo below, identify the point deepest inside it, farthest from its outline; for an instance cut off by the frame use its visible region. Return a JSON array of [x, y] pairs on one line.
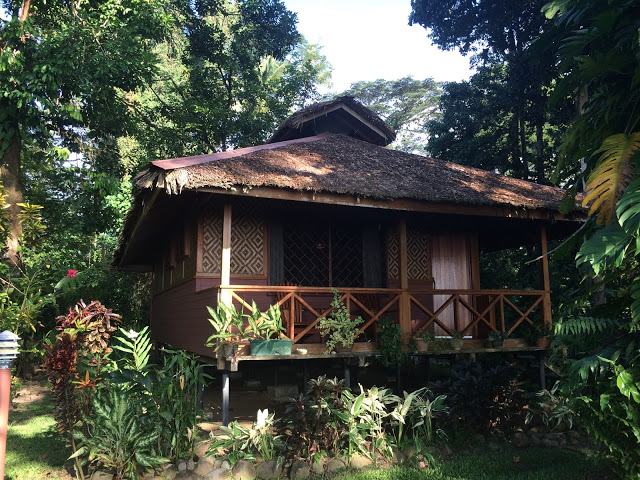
[[472, 312]]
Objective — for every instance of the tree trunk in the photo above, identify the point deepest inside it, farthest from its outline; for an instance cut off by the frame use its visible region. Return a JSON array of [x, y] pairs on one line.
[[540, 152], [523, 145], [513, 142], [10, 175]]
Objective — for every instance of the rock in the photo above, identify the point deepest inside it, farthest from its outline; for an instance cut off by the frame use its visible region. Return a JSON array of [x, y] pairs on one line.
[[335, 465], [269, 470], [317, 467], [218, 474], [217, 463], [397, 458], [226, 465], [101, 475], [168, 474], [545, 442], [191, 465], [409, 452], [210, 460], [187, 475], [477, 450], [359, 462], [202, 468], [493, 446], [535, 439], [201, 449], [299, 469], [243, 470], [520, 440], [422, 465], [182, 466], [479, 439]]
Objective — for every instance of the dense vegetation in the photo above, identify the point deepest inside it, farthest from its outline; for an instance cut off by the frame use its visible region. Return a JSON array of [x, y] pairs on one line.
[[90, 91]]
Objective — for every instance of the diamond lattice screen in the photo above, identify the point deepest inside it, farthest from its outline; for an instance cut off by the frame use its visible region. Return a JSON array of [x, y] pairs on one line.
[[418, 254], [393, 254], [212, 238], [306, 256], [247, 240], [346, 258]]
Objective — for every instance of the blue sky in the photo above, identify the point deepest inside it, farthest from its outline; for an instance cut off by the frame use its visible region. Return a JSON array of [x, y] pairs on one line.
[[371, 39]]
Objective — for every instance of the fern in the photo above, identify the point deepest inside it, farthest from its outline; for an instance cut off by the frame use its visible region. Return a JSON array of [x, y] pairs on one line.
[[611, 176], [585, 326]]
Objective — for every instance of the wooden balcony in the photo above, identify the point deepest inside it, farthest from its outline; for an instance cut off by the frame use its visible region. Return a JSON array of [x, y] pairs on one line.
[[474, 313]]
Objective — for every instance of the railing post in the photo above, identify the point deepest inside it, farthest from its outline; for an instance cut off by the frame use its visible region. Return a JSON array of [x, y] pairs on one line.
[[544, 278], [291, 328], [405, 303]]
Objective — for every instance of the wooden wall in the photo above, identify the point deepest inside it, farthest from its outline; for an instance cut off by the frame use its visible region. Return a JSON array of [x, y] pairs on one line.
[[179, 317]]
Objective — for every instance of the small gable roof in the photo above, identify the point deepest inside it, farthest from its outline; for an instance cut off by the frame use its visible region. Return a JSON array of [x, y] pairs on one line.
[[341, 115]]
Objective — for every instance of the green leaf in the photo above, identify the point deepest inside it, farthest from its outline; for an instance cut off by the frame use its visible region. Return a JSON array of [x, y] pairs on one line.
[[627, 386]]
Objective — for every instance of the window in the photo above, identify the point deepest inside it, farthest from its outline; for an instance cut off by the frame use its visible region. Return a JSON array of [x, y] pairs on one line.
[[320, 255]]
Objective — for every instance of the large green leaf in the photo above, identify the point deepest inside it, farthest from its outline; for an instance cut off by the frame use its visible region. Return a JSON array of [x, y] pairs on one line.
[[611, 176], [605, 248]]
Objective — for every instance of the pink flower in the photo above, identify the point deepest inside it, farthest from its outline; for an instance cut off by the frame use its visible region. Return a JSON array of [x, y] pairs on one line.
[[72, 273]]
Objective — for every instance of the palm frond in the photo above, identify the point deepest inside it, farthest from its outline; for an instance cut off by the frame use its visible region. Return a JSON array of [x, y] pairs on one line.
[[611, 176]]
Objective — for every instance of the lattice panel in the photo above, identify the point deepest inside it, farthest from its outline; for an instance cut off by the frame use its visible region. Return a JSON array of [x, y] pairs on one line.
[[418, 254], [212, 238], [393, 254], [247, 241], [306, 256], [346, 258]]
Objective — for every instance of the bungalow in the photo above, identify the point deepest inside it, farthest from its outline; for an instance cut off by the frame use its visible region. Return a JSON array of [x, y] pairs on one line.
[[325, 204]]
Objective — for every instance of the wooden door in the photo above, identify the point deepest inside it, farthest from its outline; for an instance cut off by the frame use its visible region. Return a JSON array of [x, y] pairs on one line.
[[451, 267]]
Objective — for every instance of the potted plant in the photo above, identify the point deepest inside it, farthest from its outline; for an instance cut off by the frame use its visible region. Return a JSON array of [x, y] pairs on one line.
[[338, 326], [544, 336], [424, 342], [229, 330], [496, 338], [457, 340], [268, 332]]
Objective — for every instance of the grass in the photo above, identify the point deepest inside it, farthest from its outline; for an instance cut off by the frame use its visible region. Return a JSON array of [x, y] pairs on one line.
[[34, 447], [534, 464]]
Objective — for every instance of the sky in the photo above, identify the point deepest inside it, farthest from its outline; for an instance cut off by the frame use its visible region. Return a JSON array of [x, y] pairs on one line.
[[371, 39]]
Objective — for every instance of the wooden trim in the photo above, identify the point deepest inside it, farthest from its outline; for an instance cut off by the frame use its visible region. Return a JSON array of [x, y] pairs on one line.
[[225, 267], [405, 301], [544, 277], [474, 250], [397, 204], [147, 203]]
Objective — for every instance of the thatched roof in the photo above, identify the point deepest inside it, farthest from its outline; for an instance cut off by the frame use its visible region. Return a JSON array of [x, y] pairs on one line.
[[336, 149], [342, 165], [341, 115]]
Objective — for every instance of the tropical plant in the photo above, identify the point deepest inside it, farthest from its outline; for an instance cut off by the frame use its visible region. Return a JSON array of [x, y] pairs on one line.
[[309, 426], [229, 327], [390, 339], [338, 326], [244, 443], [167, 392], [266, 324], [116, 439], [75, 360], [422, 412], [376, 415], [351, 415]]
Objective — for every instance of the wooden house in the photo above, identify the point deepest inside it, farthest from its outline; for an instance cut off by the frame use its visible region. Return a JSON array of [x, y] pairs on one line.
[[325, 204]]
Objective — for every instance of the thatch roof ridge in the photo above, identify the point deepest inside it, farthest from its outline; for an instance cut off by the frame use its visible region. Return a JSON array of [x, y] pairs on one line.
[[297, 119], [342, 165]]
